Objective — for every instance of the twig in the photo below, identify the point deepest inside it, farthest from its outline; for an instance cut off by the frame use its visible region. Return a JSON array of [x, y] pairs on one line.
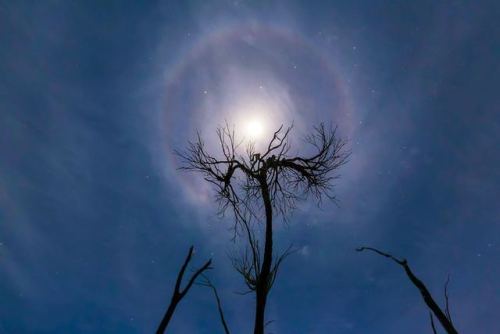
[[206, 282]]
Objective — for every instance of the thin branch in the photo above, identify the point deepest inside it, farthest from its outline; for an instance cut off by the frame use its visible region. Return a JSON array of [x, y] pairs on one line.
[[206, 282], [434, 331], [277, 263], [398, 261], [447, 304]]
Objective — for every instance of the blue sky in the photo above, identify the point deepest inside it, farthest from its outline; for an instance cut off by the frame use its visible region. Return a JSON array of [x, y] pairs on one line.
[[95, 219]]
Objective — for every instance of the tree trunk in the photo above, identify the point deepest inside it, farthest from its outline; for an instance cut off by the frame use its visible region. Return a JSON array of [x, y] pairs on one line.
[[168, 315], [262, 288]]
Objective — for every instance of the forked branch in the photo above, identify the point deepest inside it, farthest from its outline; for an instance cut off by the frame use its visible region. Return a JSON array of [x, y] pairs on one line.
[[179, 293]]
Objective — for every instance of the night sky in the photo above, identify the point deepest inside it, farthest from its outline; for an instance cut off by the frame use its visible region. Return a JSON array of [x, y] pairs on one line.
[[95, 217]]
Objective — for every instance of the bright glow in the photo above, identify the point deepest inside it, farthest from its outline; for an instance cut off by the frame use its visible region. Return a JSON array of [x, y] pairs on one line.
[[254, 129]]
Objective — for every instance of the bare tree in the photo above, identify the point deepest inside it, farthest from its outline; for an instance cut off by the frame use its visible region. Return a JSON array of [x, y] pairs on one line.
[[444, 317], [250, 183], [178, 294]]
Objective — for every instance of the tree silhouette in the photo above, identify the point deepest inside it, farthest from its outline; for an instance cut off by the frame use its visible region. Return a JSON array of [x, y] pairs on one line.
[[271, 181], [178, 294], [444, 317]]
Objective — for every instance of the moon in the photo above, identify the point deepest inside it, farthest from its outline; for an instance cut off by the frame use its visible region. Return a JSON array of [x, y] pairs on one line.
[[254, 118], [254, 129]]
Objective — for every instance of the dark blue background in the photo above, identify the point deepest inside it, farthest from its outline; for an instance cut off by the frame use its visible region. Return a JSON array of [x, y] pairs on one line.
[[93, 228]]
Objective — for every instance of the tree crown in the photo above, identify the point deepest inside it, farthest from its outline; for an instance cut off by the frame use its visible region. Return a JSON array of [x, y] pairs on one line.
[[239, 177]]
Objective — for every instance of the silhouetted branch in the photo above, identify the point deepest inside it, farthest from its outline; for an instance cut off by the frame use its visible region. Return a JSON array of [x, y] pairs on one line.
[[268, 323], [447, 304], [434, 331], [398, 261], [277, 263], [206, 282], [238, 178], [179, 293], [249, 266], [424, 292]]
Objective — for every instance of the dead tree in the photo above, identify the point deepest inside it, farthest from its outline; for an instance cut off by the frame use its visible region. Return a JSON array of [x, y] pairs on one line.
[[444, 317], [250, 183], [179, 293]]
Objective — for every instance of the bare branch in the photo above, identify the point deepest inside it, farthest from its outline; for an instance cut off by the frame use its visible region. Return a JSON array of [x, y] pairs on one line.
[[288, 178], [277, 263], [178, 294], [434, 331], [447, 304], [206, 282], [195, 275], [424, 292], [398, 261]]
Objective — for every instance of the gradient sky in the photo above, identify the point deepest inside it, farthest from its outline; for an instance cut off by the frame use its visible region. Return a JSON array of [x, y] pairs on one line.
[[95, 220]]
